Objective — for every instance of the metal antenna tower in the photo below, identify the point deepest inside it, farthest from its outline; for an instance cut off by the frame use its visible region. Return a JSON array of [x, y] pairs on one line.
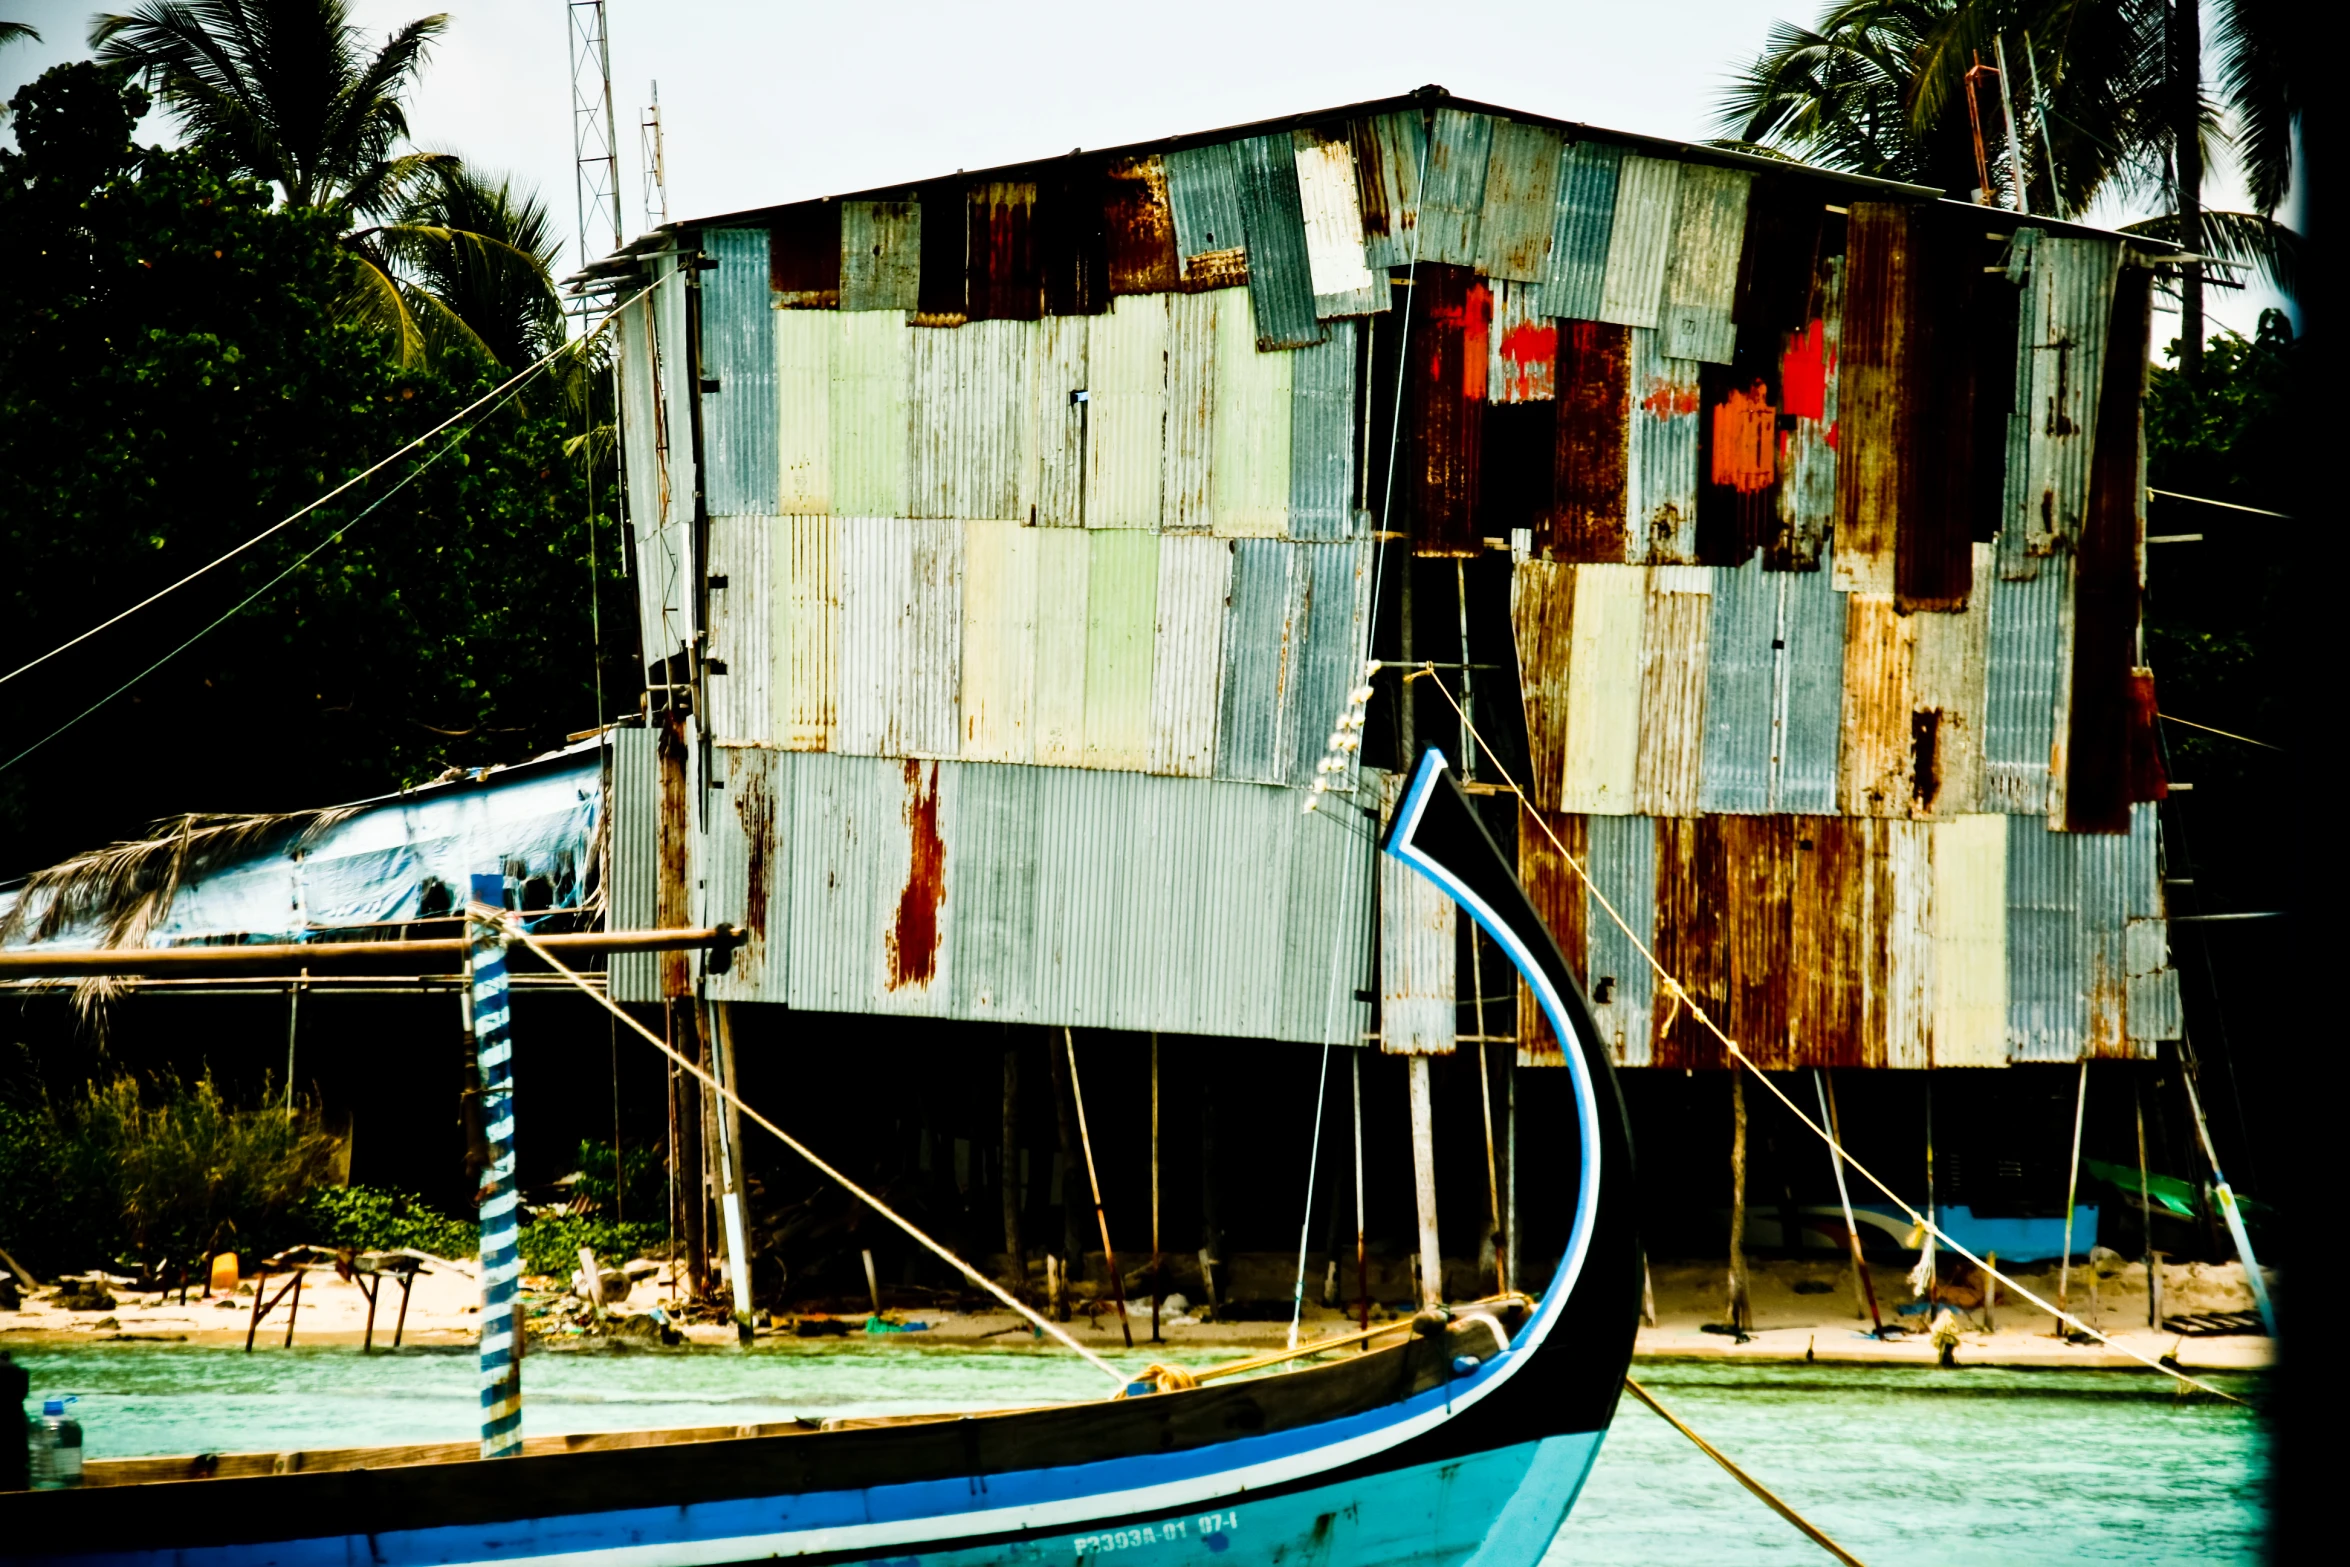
[[594, 145], [656, 168]]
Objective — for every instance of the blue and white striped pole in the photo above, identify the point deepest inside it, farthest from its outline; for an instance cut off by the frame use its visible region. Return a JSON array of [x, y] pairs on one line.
[[501, 1260]]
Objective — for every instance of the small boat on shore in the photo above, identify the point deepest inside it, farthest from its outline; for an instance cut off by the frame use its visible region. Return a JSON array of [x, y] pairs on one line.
[[1459, 1436]]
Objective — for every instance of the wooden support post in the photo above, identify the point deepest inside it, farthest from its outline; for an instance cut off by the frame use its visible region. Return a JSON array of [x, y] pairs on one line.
[[399, 1328], [872, 1282], [1015, 1255], [1509, 1177], [2072, 1185], [1864, 1289], [1496, 1239], [1424, 1183], [1362, 1254], [726, 1119], [367, 1287], [1740, 1308], [2146, 1212], [1211, 1227], [293, 1308], [1072, 1230], [1158, 1274], [1093, 1178], [687, 1111]]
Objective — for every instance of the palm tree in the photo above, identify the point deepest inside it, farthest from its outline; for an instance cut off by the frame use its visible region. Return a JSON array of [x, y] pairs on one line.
[[480, 252], [11, 32], [2109, 99], [289, 92]]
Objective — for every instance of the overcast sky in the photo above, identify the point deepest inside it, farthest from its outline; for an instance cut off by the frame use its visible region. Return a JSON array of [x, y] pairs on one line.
[[768, 103]]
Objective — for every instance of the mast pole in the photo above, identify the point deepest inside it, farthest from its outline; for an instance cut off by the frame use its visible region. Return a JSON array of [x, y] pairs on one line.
[[501, 1258]]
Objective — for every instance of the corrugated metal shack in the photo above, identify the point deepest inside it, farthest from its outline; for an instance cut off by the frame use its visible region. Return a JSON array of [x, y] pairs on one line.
[[1006, 546]]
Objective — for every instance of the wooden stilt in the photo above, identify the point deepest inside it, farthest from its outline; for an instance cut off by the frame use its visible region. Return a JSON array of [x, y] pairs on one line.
[[1495, 1237], [1740, 1310], [1158, 1275], [1864, 1288], [368, 1287], [872, 1282], [1362, 1254], [1509, 1178], [407, 1283], [2146, 1211], [1015, 1255], [2072, 1184], [1424, 1184], [1072, 1231], [293, 1309], [1093, 1178], [1211, 1224]]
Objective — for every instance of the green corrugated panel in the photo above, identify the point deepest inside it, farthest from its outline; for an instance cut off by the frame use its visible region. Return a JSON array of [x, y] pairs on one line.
[[1252, 413], [1126, 415], [803, 383], [868, 413], [1064, 571], [1121, 622]]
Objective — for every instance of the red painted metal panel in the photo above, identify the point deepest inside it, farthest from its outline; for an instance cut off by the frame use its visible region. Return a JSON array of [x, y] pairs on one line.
[[1594, 406], [2105, 582], [1446, 419], [2149, 779], [1005, 282]]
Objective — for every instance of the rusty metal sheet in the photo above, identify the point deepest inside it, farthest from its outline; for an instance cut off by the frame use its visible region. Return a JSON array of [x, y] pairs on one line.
[[998, 688], [1329, 195], [1970, 941], [2047, 1008], [880, 255], [1453, 194], [1946, 706], [1211, 232], [1678, 613], [1556, 891], [1390, 152], [1594, 420], [1521, 201], [1064, 573], [868, 412], [1003, 272], [1701, 275], [873, 906], [1603, 690], [1125, 414], [806, 638], [1692, 914], [1140, 225], [901, 625], [1758, 934], [2101, 869], [1249, 481], [1745, 654], [1444, 420], [1121, 626], [740, 661], [1738, 463], [1940, 507], [2025, 645], [1808, 366], [1880, 648], [803, 386], [1836, 954], [1661, 454], [1872, 407], [1195, 577], [1053, 477], [1280, 274], [1522, 347], [1322, 436], [967, 408], [1640, 240], [1622, 986], [1542, 621], [746, 874], [804, 256], [2060, 364], [1581, 229], [2153, 1006], [741, 413], [2106, 583], [1908, 1000]]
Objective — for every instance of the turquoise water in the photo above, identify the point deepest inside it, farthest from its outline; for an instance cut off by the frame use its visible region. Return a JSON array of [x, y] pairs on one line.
[[1900, 1465]]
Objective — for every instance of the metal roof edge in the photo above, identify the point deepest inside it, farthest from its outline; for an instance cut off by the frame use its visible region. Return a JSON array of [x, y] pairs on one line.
[[2161, 249], [1424, 98]]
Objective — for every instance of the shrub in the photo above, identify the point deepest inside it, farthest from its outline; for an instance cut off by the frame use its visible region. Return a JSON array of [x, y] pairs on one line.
[[369, 1218], [551, 1244]]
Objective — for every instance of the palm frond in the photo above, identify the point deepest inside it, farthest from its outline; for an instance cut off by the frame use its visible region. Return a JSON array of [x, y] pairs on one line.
[[2252, 239], [2261, 45], [10, 32]]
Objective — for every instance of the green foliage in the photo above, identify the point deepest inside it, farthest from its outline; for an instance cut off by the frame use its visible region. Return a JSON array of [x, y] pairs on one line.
[[550, 1244], [647, 1188], [174, 378], [154, 1173], [368, 1218]]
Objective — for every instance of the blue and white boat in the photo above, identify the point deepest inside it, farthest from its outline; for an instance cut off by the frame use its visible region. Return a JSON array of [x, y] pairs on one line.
[[1464, 1439]]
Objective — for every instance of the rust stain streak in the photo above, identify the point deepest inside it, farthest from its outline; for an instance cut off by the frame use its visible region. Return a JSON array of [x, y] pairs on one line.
[[913, 939]]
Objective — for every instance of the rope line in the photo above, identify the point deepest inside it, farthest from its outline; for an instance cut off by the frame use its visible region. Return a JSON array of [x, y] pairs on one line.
[[2173, 718], [2202, 500], [511, 386], [1817, 1535], [1681, 997], [522, 935]]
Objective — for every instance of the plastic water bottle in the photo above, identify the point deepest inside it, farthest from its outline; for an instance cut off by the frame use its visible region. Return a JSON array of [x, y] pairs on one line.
[[62, 1449]]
